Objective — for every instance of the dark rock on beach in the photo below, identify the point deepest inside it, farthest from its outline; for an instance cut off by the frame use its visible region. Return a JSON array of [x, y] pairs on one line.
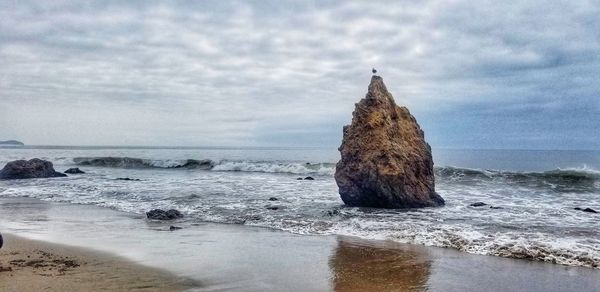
[[74, 170], [386, 162], [589, 210], [158, 214], [34, 168], [478, 204]]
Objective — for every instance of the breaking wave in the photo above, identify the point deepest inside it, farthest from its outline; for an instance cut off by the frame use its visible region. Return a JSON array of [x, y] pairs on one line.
[[206, 164], [569, 179], [558, 176], [128, 162]]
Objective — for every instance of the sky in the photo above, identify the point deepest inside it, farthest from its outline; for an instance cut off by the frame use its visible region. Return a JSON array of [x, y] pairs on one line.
[[497, 74]]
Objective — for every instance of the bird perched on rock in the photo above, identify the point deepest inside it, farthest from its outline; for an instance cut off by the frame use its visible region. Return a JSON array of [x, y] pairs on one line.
[[374, 71]]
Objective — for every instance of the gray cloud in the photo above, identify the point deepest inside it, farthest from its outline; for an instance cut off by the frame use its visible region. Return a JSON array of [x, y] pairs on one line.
[[289, 72]]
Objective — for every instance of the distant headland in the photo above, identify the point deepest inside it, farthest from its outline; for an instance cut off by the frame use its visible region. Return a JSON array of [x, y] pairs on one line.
[[12, 143]]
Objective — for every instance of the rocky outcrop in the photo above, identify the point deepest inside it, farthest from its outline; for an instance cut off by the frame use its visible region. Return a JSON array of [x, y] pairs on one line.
[[34, 168], [74, 170], [385, 162], [158, 214]]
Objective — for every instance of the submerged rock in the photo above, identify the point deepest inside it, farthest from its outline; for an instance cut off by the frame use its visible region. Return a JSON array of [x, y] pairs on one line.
[[34, 168], [589, 210], [386, 162], [478, 204], [309, 178], [175, 228], [158, 214], [74, 170], [273, 199], [129, 179]]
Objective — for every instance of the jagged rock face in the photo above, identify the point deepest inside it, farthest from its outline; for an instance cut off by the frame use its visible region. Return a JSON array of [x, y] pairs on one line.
[[34, 168], [386, 162]]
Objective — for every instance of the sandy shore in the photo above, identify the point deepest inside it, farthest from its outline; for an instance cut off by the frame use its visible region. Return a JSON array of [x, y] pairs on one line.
[[30, 265]]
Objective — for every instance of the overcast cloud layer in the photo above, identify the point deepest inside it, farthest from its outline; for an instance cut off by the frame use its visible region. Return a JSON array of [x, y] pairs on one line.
[[476, 75]]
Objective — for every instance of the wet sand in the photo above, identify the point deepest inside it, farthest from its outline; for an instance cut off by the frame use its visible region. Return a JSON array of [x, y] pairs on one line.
[[30, 265], [242, 258]]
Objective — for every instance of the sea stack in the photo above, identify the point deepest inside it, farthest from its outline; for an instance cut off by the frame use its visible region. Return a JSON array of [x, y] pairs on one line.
[[385, 162]]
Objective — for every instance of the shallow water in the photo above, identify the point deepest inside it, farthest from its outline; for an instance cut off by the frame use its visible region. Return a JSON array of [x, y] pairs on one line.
[[536, 191], [241, 258]]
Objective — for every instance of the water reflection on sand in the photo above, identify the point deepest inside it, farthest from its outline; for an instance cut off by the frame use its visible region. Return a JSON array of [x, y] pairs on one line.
[[358, 265]]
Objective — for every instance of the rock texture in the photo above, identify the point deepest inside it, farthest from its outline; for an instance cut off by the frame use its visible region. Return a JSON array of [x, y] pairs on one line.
[[74, 170], [34, 168], [386, 162], [158, 214]]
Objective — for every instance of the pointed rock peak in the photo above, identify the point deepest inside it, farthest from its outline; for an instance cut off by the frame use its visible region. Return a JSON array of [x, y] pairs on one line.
[[377, 89], [385, 160]]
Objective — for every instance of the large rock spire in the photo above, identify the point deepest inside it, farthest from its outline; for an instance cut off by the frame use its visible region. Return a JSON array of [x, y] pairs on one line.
[[386, 162]]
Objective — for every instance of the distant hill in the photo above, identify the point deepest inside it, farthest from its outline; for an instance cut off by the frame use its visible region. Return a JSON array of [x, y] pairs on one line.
[[12, 143]]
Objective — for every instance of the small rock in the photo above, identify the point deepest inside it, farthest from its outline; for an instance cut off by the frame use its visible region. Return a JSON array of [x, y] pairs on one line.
[[299, 178], [478, 204], [158, 214], [272, 207], [495, 207], [74, 170], [252, 218], [174, 228], [309, 178], [273, 199], [126, 178], [589, 210], [333, 212]]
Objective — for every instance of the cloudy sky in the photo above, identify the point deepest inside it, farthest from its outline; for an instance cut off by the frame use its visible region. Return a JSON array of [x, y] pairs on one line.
[[284, 73]]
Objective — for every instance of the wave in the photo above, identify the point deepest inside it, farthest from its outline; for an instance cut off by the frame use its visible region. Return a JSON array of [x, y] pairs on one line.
[[206, 164], [568, 176], [557, 177], [128, 162]]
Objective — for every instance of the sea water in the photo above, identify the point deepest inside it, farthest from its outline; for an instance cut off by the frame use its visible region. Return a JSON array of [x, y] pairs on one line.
[[533, 195]]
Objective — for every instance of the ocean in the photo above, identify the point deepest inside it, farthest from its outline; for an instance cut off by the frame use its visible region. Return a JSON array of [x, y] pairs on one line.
[[533, 194]]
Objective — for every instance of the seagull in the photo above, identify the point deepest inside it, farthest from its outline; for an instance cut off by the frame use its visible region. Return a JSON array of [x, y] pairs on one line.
[[374, 71]]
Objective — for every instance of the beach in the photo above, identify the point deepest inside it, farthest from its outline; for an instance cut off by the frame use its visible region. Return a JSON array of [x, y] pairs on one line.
[[31, 265], [216, 257]]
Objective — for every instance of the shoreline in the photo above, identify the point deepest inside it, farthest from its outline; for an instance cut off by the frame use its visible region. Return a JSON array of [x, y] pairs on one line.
[[248, 258], [33, 265]]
